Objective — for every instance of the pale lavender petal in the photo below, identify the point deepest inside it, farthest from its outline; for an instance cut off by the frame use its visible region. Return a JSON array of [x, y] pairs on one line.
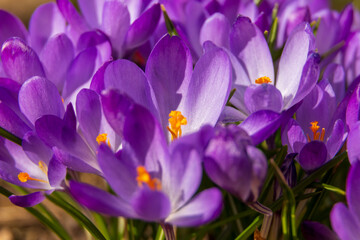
[[115, 23], [143, 27], [344, 222], [100, 201], [35, 149], [56, 57], [169, 70], [335, 74], [92, 11], [205, 207], [29, 200], [151, 205], [353, 143], [97, 82], [337, 138], [263, 97], [38, 97], [294, 136], [230, 114], [40, 30], [292, 61], [208, 90], [19, 61], [69, 12], [56, 172], [313, 155], [11, 26], [216, 28], [247, 42]]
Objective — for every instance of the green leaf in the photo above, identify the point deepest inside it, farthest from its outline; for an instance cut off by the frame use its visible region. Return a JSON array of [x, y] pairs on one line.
[[8, 135], [169, 24], [250, 229]]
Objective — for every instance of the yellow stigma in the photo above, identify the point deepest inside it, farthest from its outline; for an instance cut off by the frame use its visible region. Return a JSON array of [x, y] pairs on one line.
[[317, 135], [101, 138], [176, 120], [24, 177], [262, 80], [143, 177]]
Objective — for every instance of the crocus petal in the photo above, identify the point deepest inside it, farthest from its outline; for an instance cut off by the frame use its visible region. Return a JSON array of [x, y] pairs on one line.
[[216, 29], [293, 136], [315, 231], [56, 57], [263, 97], [205, 207], [351, 56], [29, 200], [259, 170], [99, 200], [19, 61], [344, 222], [56, 172], [313, 155], [208, 90], [97, 82], [292, 61], [337, 138], [69, 116], [36, 149], [130, 79], [40, 30], [38, 97], [353, 143], [353, 108], [250, 46], [353, 190], [169, 70], [151, 205], [80, 71], [335, 74], [92, 11], [11, 26], [10, 121], [142, 28], [115, 23], [119, 172], [69, 12]]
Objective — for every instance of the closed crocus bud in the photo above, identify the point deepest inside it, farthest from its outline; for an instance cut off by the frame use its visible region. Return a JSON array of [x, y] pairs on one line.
[[233, 163]]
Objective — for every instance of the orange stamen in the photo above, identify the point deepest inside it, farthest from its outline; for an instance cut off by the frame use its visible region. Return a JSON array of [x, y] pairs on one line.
[[101, 138], [24, 177], [145, 178], [176, 120], [262, 80], [317, 135]]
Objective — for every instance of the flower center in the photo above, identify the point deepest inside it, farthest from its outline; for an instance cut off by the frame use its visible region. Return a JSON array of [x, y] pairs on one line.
[[24, 177], [317, 135], [101, 138], [262, 80], [176, 120], [143, 177]]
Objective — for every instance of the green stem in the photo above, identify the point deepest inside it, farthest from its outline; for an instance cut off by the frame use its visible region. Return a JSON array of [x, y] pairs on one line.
[[8, 135], [250, 229]]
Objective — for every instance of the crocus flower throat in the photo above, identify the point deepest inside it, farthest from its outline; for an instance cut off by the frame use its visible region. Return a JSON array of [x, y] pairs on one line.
[[176, 120], [24, 176], [262, 80], [314, 128], [101, 138], [143, 177]]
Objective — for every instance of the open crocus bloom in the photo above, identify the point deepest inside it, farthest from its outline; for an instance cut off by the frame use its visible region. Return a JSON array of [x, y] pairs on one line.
[[153, 181], [346, 220], [254, 80], [318, 133]]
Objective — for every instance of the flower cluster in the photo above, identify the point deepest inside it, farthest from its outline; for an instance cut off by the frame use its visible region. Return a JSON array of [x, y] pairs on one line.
[[182, 106]]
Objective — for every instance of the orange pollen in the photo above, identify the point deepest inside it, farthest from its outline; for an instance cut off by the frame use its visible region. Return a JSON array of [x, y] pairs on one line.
[[317, 135], [24, 177], [43, 167], [145, 178], [262, 80], [62, 100], [101, 138], [176, 120]]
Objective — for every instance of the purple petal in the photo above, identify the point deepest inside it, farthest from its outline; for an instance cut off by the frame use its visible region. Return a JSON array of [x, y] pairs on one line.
[[344, 222], [19, 61], [353, 108], [353, 143], [293, 136], [259, 170], [69, 116], [35, 149], [69, 12], [56, 57], [130, 79], [315, 231], [353, 190], [313, 155], [208, 90], [351, 56], [56, 172], [216, 29], [115, 23], [337, 138], [151, 205], [40, 30], [292, 62], [335, 74], [10, 121], [29, 200], [99, 200], [143, 27], [263, 97], [250, 46], [169, 70], [118, 172], [11, 26], [38, 97], [92, 11], [80, 71], [205, 207], [97, 82], [346, 21]]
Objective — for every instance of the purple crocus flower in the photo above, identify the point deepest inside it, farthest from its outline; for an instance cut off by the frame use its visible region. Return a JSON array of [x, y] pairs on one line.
[[153, 181], [353, 122], [346, 220], [318, 133], [234, 163]]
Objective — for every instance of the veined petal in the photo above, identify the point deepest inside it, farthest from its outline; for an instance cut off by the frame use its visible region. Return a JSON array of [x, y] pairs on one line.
[[263, 97], [216, 29]]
